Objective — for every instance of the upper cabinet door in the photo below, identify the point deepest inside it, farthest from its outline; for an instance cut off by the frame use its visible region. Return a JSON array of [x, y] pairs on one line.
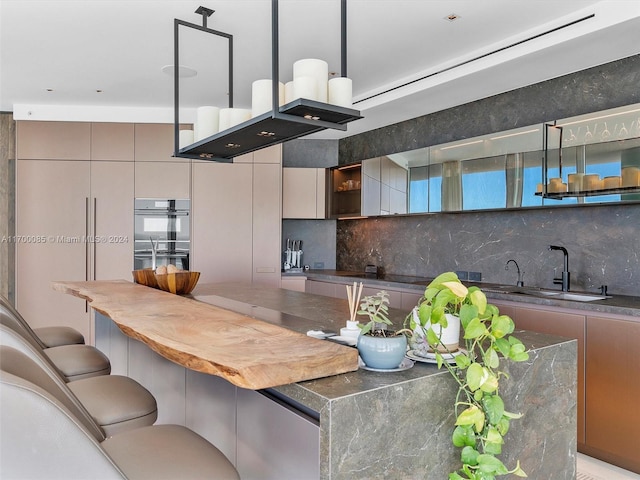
[[303, 193], [154, 142], [162, 180], [272, 154], [112, 141], [54, 140]]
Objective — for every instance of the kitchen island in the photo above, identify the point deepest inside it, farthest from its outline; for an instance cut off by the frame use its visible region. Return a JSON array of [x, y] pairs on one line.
[[359, 424]]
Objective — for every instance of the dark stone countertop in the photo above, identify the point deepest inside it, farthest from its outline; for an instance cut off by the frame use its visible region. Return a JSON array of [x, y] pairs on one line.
[[617, 304], [302, 312]]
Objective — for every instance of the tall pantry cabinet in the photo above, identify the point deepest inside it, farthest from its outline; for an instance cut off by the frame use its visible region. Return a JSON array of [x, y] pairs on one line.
[[74, 214], [237, 216]]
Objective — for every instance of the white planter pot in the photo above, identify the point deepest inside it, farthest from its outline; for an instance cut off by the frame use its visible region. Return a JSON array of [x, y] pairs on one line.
[[449, 336]]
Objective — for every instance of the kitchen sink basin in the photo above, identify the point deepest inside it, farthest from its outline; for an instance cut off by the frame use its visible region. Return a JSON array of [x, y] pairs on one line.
[[556, 294]]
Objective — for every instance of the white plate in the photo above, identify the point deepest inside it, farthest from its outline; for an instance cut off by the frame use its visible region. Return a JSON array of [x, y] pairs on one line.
[[431, 357], [405, 365]]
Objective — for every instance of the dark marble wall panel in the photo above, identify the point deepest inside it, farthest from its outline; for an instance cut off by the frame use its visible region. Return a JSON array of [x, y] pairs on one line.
[[603, 244], [605, 86], [603, 241], [310, 153]]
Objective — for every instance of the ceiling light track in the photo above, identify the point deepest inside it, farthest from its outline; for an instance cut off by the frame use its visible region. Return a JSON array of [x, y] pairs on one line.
[[479, 57]]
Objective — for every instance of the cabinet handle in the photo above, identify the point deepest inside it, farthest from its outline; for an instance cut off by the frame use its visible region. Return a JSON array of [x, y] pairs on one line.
[[86, 246], [95, 231]]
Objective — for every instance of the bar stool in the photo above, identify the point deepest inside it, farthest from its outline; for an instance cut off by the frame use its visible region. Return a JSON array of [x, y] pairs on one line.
[[116, 403], [45, 436], [47, 336], [73, 361]]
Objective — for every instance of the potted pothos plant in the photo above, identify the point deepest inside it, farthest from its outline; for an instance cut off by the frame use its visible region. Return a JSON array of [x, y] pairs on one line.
[[378, 346], [481, 418]]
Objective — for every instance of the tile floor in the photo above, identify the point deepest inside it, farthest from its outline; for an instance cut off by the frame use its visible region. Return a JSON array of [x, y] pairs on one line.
[[590, 468]]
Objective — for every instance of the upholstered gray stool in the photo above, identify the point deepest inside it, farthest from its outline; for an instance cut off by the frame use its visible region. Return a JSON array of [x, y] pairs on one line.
[[47, 336], [45, 436], [116, 403], [73, 361]]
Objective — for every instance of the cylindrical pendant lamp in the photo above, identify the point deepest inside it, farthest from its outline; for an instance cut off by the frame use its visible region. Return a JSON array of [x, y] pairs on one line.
[[340, 92], [207, 122], [261, 96], [318, 69]]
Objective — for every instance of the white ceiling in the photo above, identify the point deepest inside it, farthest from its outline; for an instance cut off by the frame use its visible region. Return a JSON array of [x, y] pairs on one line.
[[76, 47]]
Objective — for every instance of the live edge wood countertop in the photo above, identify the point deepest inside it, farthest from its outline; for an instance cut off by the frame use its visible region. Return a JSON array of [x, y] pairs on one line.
[[248, 352]]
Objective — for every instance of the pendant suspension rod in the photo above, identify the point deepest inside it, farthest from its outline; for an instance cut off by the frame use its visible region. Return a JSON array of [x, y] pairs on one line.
[[343, 38]]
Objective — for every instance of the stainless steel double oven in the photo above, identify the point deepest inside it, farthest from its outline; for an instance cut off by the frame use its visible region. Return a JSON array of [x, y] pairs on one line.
[[162, 224]]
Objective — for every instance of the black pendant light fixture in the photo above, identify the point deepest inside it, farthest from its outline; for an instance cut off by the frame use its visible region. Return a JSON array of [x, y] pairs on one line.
[[295, 119]]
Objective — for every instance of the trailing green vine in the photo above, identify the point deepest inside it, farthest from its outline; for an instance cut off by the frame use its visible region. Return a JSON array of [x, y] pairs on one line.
[[481, 419]]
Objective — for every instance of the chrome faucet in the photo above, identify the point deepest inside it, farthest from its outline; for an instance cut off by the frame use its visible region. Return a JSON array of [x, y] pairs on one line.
[[519, 283], [565, 280]]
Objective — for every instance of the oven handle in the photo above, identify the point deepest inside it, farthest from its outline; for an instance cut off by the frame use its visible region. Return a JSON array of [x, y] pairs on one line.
[[160, 213]]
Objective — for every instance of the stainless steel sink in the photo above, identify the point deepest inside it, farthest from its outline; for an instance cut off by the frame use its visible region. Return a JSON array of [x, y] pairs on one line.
[[556, 294]]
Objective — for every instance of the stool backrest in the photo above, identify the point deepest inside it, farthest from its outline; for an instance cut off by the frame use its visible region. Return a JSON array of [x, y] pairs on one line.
[[19, 358], [41, 437], [13, 319]]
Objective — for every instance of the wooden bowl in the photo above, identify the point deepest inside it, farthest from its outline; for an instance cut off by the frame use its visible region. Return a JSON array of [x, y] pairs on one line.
[[180, 283], [145, 277]]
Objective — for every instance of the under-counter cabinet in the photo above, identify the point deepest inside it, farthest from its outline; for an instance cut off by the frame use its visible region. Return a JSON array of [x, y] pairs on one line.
[[563, 324], [612, 390], [402, 299], [608, 364], [303, 193]]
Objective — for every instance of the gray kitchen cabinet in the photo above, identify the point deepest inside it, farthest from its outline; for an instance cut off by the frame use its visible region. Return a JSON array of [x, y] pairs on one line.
[[563, 324], [339, 290], [162, 180], [612, 390], [52, 222], [266, 224], [274, 440], [154, 142], [303, 193], [295, 283], [272, 154], [112, 214], [157, 173], [236, 220], [76, 219], [113, 141], [221, 227], [53, 140]]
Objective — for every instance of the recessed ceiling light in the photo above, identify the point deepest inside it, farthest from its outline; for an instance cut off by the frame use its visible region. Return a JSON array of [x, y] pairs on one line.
[[452, 17], [98, 90], [49, 89], [183, 71]]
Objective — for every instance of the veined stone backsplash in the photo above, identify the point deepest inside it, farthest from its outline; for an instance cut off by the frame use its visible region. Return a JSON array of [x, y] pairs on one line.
[[603, 244]]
